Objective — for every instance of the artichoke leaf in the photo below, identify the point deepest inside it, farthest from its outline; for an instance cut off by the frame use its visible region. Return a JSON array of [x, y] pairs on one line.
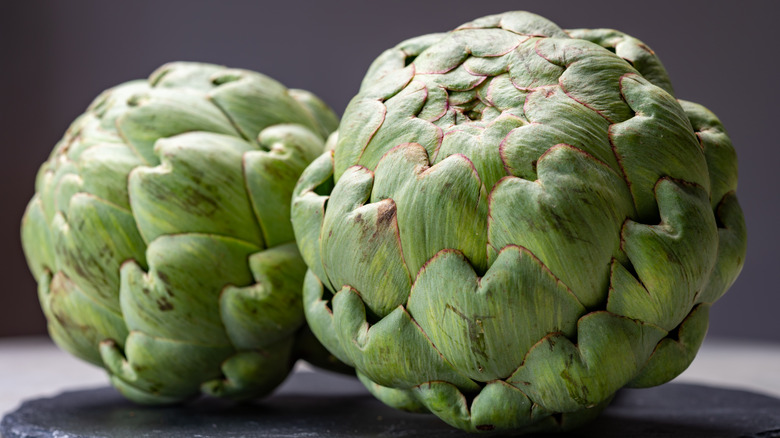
[[562, 376], [501, 406], [319, 316], [37, 240], [403, 399], [490, 66], [592, 75], [162, 370], [174, 302], [528, 69], [99, 123], [308, 212], [641, 57], [436, 105], [365, 115], [161, 113], [449, 195], [581, 128], [672, 356], [267, 311], [144, 397], [104, 169], [502, 94], [657, 142], [251, 374], [484, 43], [401, 125], [498, 407], [67, 186], [480, 147], [719, 153], [672, 260], [198, 188], [93, 242], [394, 342], [570, 219], [191, 75], [447, 54], [445, 400], [361, 246], [362, 118], [393, 60], [52, 186], [76, 321], [457, 79], [519, 22], [485, 326], [253, 102], [732, 246], [271, 175]]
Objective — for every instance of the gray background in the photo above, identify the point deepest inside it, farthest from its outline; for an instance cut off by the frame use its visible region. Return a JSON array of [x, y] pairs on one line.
[[58, 55]]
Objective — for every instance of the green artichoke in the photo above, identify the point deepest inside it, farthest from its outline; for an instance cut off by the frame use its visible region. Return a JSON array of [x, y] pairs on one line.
[[160, 232], [516, 222]]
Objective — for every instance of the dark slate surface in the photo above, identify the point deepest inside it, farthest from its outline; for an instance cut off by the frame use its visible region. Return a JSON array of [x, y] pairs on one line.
[[319, 404]]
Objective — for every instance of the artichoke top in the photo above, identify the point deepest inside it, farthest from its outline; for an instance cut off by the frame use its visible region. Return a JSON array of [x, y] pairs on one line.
[[160, 232], [531, 211]]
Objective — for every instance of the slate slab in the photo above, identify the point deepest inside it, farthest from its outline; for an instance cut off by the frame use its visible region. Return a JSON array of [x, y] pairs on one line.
[[317, 404]]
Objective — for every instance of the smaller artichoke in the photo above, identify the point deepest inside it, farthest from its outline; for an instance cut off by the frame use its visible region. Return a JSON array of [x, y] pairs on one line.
[[516, 222], [160, 232]]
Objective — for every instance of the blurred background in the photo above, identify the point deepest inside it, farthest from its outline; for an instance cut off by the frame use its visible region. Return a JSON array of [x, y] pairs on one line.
[[57, 56]]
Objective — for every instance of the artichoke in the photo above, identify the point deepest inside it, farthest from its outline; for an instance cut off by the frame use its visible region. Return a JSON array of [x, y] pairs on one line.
[[160, 232], [516, 222]]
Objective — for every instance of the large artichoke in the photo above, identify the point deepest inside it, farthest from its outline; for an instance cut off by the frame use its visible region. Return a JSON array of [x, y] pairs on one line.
[[160, 232], [516, 222]]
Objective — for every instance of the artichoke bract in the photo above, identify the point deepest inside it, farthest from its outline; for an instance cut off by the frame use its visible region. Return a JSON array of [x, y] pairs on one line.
[[160, 232], [516, 222]]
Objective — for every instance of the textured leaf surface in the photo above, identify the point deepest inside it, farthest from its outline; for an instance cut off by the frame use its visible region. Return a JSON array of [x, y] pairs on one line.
[[481, 325]]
